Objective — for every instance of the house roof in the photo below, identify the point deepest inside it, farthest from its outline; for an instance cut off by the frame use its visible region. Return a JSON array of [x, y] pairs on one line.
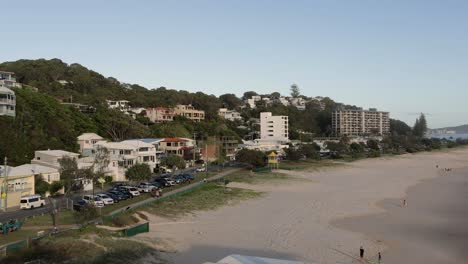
[[88, 136], [30, 169], [174, 140], [3, 89], [58, 153], [137, 143], [115, 145], [148, 140]]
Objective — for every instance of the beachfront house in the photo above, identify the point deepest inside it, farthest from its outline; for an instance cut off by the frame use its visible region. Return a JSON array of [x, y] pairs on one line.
[[87, 141], [14, 184]]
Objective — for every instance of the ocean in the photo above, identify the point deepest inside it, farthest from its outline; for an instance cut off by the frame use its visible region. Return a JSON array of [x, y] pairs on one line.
[[450, 136]]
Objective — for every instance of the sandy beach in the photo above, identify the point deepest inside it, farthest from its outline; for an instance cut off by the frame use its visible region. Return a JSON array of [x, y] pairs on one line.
[[328, 215]]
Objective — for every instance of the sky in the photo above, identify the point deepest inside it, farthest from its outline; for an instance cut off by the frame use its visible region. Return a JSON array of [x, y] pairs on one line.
[[405, 57]]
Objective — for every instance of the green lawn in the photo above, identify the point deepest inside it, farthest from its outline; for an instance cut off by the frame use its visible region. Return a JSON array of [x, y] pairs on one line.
[[307, 164], [64, 217]]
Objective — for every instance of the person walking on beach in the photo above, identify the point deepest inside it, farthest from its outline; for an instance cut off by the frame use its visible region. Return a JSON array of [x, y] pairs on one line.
[[361, 252], [380, 257]]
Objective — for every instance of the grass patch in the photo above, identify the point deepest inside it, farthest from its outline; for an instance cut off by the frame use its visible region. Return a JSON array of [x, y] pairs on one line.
[[208, 197], [245, 176], [307, 164], [64, 217]]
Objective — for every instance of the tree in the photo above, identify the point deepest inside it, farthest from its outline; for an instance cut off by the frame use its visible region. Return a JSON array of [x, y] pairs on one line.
[[41, 186], [398, 127], [311, 150], [55, 187], [172, 161], [230, 101], [338, 148], [373, 144], [248, 95], [138, 172], [420, 126], [293, 154], [68, 172], [253, 157], [101, 162], [295, 92]]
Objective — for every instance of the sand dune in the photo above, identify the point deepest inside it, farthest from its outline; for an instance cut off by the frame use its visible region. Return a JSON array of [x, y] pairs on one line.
[[298, 220]]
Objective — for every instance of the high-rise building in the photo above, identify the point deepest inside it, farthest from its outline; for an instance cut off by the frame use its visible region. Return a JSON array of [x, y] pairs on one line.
[[274, 128], [359, 122]]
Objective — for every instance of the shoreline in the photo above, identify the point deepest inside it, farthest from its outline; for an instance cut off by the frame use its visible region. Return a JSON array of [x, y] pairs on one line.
[[296, 220]]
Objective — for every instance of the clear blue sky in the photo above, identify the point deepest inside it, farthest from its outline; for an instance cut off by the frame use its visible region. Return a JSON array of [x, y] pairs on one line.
[[402, 56]]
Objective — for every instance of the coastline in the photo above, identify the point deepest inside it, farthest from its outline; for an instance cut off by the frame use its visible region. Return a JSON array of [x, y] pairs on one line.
[[296, 220]]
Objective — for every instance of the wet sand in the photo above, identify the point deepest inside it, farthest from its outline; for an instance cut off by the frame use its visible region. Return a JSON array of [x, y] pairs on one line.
[[431, 229]]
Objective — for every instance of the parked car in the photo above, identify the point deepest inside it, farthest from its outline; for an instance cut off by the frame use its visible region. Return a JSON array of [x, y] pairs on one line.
[[119, 195], [179, 179], [93, 200], [106, 199], [80, 205], [145, 187], [157, 184], [132, 190], [31, 202], [201, 169], [169, 181], [189, 177], [162, 182]]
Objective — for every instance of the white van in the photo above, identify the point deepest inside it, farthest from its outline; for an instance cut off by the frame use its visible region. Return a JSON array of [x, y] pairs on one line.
[[31, 202]]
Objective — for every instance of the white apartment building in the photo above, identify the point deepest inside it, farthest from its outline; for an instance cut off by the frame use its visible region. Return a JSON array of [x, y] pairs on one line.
[[87, 141], [7, 80], [7, 102], [274, 128], [51, 158], [122, 105], [230, 115], [359, 122]]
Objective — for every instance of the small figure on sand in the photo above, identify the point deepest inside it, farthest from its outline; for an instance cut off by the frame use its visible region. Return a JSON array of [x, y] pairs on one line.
[[361, 252], [204, 180], [437, 166], [404, 203], [380, 257]]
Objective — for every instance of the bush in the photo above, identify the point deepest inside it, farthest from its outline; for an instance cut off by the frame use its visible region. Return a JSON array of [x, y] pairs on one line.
[[108, 179], [55, 187], [42, 187]]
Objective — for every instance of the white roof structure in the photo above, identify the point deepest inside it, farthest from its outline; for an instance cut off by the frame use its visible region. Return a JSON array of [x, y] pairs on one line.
[[89, 136], [58, 153], [240, 259], [27, 169], [137, 143], [115, 145]]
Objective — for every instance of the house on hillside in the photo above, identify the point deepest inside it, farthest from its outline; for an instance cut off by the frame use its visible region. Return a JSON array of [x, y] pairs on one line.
[[7, 102], [48, 174], [160, 114], [188, 111], [87, 141], [51, 158], [230, 115]]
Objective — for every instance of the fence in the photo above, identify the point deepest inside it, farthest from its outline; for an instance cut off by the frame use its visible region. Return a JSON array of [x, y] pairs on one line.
[[135, 230]]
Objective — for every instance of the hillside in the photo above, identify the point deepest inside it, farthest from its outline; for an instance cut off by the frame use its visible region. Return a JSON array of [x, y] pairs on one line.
[[463, 129]]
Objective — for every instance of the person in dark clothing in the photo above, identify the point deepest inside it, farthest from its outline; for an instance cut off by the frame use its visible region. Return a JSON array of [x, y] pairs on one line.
[[380, 257], [361, 252]]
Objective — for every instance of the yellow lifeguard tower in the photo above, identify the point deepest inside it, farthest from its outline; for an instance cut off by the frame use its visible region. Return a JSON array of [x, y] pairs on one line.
[[273, 162]]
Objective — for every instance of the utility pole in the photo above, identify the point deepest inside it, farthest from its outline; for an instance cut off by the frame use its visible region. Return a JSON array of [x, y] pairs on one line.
[[194, 147], [206, 160], [5, 191]]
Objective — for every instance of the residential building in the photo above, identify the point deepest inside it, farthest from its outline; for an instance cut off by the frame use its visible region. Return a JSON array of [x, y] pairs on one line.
[[176, 146], [7, 80], [213, 148], [230, 115], [87, 141], [14, 184], [48, 174], [155, 142], [359, 122], [7, 102], [274, 128], [51, 158], [252, 101], [122, 105], [283, 100], [298, 102], [190, 112], [160, 114]]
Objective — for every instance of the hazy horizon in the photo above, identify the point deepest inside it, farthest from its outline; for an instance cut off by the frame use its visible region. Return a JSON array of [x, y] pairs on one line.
[[405, 58]]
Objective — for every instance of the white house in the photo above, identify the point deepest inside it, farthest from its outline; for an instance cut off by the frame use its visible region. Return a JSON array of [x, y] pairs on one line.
[[87, 141], [274, 127], [230, 115], [7, 102], [48, 174], [50, 158]]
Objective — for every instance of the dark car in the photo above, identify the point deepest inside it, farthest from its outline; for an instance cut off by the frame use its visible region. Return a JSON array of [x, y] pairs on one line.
[[117, 196], [189, 177], [79, 205], [180, 179], [162, 182], [122, 193], [157, 184]]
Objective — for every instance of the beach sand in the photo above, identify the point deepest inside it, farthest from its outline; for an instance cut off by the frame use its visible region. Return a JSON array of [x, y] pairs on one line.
[[328, 216]]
